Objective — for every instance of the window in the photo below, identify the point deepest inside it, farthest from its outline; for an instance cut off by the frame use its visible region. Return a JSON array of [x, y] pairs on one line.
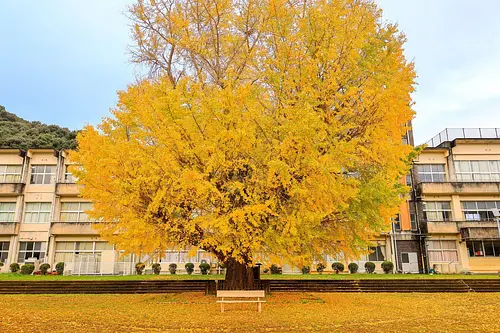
[[182, 256], [7, 211], [43, 174], [479, 210], [10, 173], [442, 250], [413, 221], [376, 254], [408, 180], [4, 251], [437, 210], [396, 223], [468, 171], [75, 211], [37, 212], [483, 248], [29, 250], [65, 251], [431, 173], [405, 258], [68, 176]]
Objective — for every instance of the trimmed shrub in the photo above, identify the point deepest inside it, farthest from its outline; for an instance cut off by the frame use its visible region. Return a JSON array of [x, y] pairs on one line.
[[265, 270], [204, 268], [1, 264], [44, 268], [14, 267], [172, 268], [156, 268], [60, 268], [139, 268], [27, 269], [353, 267], [189, 268], [369, 267], [320, 268], [338, 267], [387, 267], [306, 270], [275, 269]]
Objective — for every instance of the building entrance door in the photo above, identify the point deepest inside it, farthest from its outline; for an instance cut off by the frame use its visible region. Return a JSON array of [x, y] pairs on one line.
[[410, 262]]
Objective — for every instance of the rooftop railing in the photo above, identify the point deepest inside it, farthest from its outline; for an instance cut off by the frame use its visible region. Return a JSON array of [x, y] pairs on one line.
[[450, 134]]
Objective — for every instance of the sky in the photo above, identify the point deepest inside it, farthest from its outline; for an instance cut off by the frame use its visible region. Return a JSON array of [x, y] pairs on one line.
[[62, 62]]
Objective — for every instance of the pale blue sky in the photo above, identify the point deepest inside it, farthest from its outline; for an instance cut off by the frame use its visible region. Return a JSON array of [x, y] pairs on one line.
[[63, 61]]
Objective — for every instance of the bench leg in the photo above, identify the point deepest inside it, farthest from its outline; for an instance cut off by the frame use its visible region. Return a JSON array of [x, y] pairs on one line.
[[222, 306], [260, 305]]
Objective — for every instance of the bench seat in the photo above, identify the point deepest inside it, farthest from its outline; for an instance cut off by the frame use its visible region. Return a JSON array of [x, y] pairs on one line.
[[241, 296]]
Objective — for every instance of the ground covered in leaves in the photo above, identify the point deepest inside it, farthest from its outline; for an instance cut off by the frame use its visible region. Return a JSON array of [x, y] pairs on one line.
[[283, 312]]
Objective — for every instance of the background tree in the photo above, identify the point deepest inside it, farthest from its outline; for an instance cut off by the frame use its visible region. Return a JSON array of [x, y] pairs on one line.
[[18, 133], [268, 131]]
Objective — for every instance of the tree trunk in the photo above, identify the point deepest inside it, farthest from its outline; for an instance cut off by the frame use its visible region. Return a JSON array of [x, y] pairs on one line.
[[238, 276]]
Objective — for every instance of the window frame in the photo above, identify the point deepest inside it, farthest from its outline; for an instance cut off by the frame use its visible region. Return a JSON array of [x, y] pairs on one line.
[[441, 250], [478, 217], [434, 175], [471, 248], [42, 251], [38, 212], [79, 212], [51, 175], [4, 174], [4, 251], [10, 213], [444, 217]]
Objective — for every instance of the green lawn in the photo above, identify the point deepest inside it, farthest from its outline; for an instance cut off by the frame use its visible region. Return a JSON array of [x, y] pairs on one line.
[[282, 312], [20, 277]]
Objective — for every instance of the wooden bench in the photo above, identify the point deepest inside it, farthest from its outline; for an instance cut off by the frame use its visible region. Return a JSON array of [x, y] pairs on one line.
[[241, 296]]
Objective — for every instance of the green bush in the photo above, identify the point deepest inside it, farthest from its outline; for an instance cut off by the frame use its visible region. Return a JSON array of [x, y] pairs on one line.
[[369, 267], [320, 268], [156, 268], [27, 269], [387, 267], [44, 268], [275, 269], [353, 267], [139, 268], [189, 268], [265, 270], [306, 270], [1, 264], [204, 268], [172, 268], [60, 268], [338, 267], [14, 267]]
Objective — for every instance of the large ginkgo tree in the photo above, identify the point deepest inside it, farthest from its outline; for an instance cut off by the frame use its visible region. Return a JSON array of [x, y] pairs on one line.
[[266, 131]]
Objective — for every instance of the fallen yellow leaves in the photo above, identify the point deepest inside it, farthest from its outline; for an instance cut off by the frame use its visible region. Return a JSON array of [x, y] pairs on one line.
[[297, 312]]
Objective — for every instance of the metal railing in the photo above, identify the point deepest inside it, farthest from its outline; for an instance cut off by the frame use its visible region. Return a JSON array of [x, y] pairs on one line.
[[450, 134]]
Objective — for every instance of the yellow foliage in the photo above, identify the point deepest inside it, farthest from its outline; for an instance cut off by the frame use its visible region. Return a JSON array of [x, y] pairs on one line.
[[271, 131]]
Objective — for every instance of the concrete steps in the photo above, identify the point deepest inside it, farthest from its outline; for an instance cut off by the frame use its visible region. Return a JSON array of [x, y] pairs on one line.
[[106, 287]]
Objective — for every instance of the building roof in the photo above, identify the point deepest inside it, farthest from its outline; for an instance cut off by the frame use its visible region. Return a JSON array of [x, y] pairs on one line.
[[451, 134]]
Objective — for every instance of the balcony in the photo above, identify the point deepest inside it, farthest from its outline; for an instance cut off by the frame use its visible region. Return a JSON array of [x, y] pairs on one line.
[[467, 229], [9, 228], [68, 189], [11, 189], [73, 228], [481, 188]]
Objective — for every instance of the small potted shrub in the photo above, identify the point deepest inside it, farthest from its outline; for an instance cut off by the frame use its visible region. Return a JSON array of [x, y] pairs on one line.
[[338, 267], [14, 267], [189, 266], [27, 269], [265, 270], [320, 268], [306, 270], [172, 268], [275, 269], [204, 268], [369, 267], [60, 268], [387, 267], [156, 268], [353, 267], [139, 268], [44, 268]]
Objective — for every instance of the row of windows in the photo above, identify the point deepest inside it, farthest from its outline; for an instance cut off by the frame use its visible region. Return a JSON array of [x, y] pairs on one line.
[[39, 212], [466, 171], [40, 174], [472, 210], [447, 251]]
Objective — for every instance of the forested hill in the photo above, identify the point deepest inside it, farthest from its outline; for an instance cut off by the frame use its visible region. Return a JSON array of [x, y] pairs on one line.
[[18, 133]]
